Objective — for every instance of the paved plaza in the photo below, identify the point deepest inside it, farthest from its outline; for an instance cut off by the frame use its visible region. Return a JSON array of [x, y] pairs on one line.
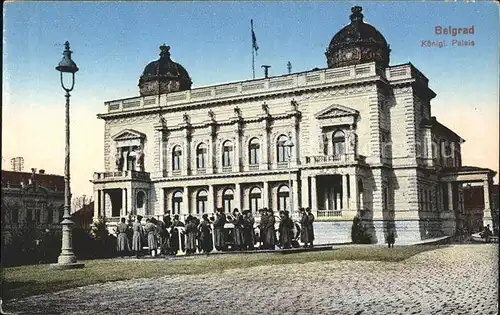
[[459, 279]]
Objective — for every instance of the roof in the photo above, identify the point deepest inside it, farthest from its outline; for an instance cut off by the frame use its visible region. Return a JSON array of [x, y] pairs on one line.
[[467, 169], [436, 125], [49, 181]]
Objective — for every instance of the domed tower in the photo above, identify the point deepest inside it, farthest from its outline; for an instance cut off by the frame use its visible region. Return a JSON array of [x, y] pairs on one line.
[[357, 43], [164, 76]]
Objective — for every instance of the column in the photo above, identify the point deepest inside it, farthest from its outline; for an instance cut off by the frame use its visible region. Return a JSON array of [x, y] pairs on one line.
[[314, 202], [185, 153], [450, 196], [295, 197], [264, 157], [345, 184], [124, 202], [211, 199], [487, 206], [97, 196], [102, 211], [185, 201], [265, 195], [304, 190], [354, 199], [210, 155], [295, 150], [237, 197], [237, 150]]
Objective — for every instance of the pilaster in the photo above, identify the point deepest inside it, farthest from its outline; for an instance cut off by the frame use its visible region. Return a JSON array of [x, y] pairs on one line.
[[487, 219], [345, 184], [237, 196], [185, 201], [265, 195], [304, 189]]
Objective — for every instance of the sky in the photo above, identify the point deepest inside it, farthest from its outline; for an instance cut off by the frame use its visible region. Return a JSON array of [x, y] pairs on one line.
[[112, 42]]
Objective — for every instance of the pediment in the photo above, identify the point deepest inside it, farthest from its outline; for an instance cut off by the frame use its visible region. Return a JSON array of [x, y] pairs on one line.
[[335, 111], [128, 134], [37, 189]]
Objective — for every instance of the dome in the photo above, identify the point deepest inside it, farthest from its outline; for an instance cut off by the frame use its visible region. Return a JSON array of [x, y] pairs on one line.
[[164, 76], [357, 43]]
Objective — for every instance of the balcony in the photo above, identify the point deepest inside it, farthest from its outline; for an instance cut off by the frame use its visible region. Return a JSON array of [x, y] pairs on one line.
[[332, 160], [121, 175], [329, 213]]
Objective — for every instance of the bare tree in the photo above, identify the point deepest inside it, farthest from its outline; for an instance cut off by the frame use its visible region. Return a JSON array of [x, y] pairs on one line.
[[79, 202]]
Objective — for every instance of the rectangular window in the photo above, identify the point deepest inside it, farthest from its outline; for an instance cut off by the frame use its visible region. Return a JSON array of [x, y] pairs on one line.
[[50, 215]]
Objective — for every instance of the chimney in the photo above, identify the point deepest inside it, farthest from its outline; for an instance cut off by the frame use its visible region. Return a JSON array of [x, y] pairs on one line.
[[42, 171]]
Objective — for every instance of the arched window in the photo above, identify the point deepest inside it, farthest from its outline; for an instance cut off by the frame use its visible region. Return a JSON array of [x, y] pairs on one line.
[[176, 158], [201, 156], [283, 197], [254, 151], [281, 149], [227, 153], [201, 201], [177, 202], [255, 199], [338, 143], [227, 200]]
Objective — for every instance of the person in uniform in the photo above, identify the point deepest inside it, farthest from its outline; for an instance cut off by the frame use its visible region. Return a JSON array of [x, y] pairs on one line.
[[219, 236], [270, 230], [205, 234], [122, 245], [167, 224], [285, 229], [262, 228], [309, 235], [238, 222], [175, 235], [248, 232], [191, 233], [137, 237], [151, 231]]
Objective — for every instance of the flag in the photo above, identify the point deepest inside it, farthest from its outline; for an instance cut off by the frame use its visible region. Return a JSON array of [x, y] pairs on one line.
[[254, 39]]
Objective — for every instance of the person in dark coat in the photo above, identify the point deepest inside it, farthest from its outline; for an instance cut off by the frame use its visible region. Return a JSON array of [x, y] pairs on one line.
[[391, 239], [248, 232], [238, 222], [262, 228], [137, 237], [270, 230], [205, 234], [309, 233], [175, 235], [303, 226], [165, 235], [219, 232], [286, 230], [191, 234], [122, 245]]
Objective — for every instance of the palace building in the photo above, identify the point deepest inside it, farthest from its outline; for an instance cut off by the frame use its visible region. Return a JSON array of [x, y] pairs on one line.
[[356, 138]]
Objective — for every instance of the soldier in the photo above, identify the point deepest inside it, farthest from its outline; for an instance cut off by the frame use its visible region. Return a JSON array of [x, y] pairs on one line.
[[137, 237], [191, 233], [285, 229], [303, 226], [220, 221], [238, 222], [122, 245], [151, 232], [248, 232], [262, 228], [270, 230], [205, 234], [175, 235], [309, 234], [390, 239]]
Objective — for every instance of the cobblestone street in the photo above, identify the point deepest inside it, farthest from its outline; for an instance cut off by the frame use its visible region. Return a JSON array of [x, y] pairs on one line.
[[460, 279]]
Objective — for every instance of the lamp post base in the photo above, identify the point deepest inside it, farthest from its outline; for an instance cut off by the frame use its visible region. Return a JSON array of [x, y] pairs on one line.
[[66, 266]]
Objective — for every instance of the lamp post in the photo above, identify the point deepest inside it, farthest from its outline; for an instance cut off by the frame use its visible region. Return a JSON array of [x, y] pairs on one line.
[[67, 259], [289, 145]]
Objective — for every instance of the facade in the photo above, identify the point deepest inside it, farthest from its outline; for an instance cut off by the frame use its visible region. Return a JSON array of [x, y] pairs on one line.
[[31, 199], [364, 144]]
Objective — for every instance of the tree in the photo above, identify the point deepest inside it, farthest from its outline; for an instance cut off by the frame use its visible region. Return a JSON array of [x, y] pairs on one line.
[[78, 203]]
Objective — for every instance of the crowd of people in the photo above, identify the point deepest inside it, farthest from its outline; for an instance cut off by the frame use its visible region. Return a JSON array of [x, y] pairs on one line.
[[193, 235]]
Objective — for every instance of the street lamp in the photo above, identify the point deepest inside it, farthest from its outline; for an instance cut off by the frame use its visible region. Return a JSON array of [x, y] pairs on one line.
[[67, 259], [289, 145]]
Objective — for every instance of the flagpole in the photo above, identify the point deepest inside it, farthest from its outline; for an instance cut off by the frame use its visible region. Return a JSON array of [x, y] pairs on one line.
[[253, 53]]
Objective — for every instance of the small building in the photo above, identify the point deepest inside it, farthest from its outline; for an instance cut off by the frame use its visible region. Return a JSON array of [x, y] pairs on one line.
[[31, 200]]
